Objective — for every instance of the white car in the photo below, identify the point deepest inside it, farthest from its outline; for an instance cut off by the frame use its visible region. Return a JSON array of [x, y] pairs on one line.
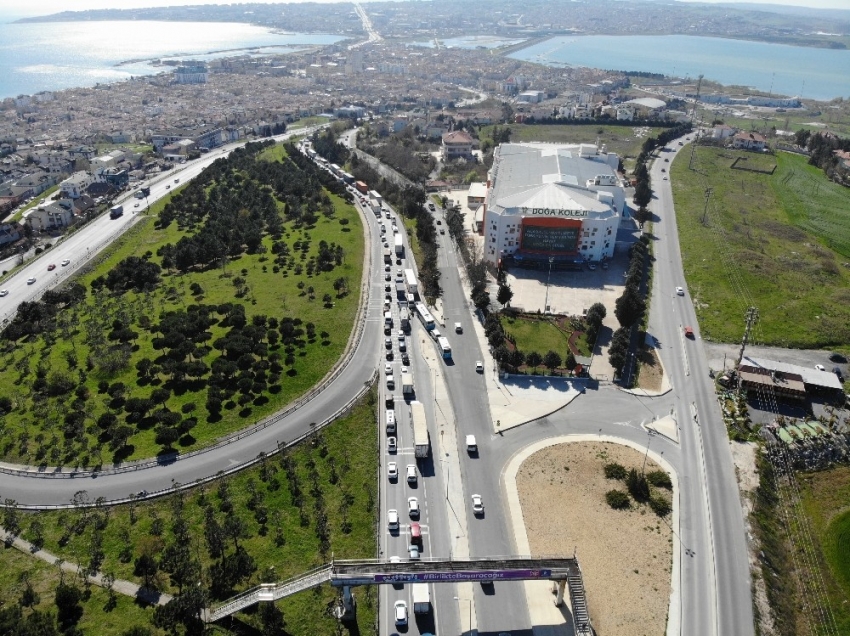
[[392, 471], [477, 505], [135, 206], [4, 292], [413, 552], [680, 291], [400, 334], [479, 367], [391, 445], [388, 369], [411, 473], [820, 367], [392, 519], [400, 612], [65, 262], [413, 506], [30, 281]]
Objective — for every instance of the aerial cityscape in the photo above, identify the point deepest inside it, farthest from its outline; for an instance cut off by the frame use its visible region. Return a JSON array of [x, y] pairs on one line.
[[425, 318]]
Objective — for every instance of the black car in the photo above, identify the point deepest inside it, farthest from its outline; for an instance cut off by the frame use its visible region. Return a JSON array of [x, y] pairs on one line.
[[838, 373], [837, 357], [405, 359]]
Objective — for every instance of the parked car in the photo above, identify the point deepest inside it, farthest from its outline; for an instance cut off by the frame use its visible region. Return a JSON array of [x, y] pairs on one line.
[[837, 357], [838, 374], [820, 367]]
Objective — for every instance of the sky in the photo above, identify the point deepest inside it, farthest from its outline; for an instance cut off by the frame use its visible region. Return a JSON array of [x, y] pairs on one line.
[[21, 8]]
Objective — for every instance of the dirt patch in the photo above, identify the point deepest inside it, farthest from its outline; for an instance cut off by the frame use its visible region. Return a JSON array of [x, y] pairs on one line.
[[651, 371], [625, 556]]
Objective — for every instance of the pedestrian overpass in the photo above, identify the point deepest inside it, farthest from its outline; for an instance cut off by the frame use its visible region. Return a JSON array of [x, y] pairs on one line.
[[350, 573]]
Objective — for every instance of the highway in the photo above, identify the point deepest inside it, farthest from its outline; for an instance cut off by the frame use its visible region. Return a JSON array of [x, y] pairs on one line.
[[715, 581]]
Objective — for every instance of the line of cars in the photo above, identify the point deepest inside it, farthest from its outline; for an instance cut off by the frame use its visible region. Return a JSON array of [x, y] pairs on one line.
[[31, 280]]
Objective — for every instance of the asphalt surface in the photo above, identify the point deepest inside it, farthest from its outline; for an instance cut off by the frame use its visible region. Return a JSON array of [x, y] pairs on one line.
[[715, 583]]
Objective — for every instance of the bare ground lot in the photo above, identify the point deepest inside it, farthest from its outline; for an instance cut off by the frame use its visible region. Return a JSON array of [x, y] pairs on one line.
[[625, 556]]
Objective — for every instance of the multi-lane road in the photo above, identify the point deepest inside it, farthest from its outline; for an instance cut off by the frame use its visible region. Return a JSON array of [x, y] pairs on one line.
[[714, 583]]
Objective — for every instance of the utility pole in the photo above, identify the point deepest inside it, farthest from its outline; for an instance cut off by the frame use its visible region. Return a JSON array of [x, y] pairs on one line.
[[751, 317], [705, 208], [693, 117]]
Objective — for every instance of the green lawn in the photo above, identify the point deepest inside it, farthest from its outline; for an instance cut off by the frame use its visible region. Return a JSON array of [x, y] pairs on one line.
[[825, 495], [777, 241], [535, 335], [17, 216], [618, 139], [33, 430], [345, 461], [97, 618]]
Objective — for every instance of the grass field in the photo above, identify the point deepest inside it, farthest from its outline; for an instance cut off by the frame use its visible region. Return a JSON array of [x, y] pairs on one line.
[[541, 336], [279, 536], [625, 141], [826, 501], [778, 242], [32, 431]]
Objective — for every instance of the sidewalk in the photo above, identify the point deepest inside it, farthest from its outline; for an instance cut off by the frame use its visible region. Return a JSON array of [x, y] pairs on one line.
[[121, 586]]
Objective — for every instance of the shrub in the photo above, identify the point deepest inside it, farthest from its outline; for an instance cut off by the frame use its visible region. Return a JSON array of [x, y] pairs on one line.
[[660, 505], [659, 479], [617, 499], [615, 471], [637, 485]]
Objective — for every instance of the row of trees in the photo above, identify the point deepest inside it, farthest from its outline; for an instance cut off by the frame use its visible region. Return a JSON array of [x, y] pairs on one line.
[[631, 305], [823, 148]]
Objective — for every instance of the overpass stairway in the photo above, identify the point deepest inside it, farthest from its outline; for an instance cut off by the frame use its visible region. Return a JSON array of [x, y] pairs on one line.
[[578, 601]]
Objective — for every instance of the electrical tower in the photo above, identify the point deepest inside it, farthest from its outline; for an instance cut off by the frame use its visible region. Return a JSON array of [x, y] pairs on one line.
[[751, 317], [693, 118]]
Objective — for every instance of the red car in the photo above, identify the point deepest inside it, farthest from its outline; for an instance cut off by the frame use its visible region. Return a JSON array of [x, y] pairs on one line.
[[689, 333], [51, 267]]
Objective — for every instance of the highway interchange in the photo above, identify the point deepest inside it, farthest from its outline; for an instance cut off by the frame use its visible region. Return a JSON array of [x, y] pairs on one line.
[[714, 578]]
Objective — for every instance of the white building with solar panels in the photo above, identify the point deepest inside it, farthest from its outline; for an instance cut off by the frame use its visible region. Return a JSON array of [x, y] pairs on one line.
[[550, 201]]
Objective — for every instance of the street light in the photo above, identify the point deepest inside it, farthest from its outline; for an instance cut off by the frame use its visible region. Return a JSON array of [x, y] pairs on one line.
[[548, 276], [468, 600]]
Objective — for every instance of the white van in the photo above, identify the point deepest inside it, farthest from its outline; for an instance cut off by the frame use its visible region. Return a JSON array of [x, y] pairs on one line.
[[388, 318], [458, 328], [390, 421], [471, 446], [411, 473]]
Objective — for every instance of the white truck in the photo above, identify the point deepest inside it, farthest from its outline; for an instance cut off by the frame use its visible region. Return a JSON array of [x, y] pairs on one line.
[[404, 318], [406, 382], [421, 598], [399, 246], [410, 281], [421, 441]]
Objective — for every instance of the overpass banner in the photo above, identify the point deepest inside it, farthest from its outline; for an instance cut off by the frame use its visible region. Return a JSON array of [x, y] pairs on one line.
[[449, 577]]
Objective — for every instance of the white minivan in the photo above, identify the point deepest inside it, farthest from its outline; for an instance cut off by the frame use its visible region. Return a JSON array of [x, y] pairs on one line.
[[471, 446], [411, 473], [390, 421]]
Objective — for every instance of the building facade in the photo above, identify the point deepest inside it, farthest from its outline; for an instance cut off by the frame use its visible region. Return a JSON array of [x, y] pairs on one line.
[[548, 201]]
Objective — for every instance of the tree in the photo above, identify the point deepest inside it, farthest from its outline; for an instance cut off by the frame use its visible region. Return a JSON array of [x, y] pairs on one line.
[[271, 618], [481, 300], [68, 605], [504, 295], [533, 360], [570, 362], [617, 499], [629, 307], [596, 314], [146, 566], [552, 360], [643, 194], [516, 358]]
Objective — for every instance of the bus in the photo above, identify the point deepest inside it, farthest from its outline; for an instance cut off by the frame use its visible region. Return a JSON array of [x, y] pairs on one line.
[[425, 316], [445, 347]]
